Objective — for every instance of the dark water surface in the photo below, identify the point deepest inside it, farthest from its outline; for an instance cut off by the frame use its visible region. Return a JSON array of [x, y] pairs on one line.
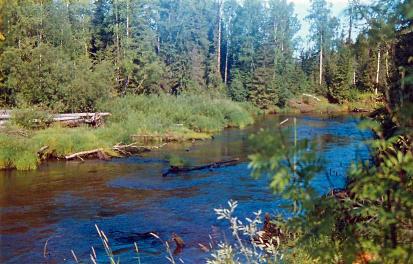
[[61, 202]]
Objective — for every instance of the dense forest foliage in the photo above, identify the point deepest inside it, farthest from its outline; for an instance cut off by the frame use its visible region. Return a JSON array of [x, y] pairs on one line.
[[67, 55]]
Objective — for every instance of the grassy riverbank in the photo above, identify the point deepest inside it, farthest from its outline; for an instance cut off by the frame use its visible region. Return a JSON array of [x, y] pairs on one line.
[[362, 102], [166, 117]]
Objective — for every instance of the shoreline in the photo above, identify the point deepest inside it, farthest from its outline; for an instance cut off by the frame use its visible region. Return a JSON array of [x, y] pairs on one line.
[[137, 124], [135, 149]]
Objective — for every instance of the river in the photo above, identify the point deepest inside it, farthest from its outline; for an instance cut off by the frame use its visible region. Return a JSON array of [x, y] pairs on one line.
[[61, 202]]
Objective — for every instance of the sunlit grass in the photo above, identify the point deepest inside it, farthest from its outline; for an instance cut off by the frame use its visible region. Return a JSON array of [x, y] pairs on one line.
[[159, 118]]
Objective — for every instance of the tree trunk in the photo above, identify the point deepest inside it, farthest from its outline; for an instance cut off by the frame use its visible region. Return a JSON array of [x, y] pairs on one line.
[[227, 50], [350, 26], [127, 45], [354, 77], [158, 45], [377, 71], [226, 63], [127, 20], [321, 60], [84, 37], [219, 39], [117, 42], [274, 27], [387, 64], [40, 43]]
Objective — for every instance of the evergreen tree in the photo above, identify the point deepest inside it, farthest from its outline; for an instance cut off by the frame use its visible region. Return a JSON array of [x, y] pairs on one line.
[[339, 75]]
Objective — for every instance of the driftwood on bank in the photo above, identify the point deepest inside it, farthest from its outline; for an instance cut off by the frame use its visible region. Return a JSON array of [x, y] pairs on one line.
[[218, 164], [99, 153], [119, 149], [70, 120]]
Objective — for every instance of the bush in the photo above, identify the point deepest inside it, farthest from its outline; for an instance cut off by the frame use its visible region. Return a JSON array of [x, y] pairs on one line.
[[31, 118]]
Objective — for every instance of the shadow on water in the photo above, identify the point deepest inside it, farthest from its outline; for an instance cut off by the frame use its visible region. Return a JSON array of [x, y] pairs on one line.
[[61, 202]]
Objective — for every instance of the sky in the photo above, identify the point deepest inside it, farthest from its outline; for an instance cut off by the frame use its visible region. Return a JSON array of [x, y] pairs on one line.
[[302, 6]]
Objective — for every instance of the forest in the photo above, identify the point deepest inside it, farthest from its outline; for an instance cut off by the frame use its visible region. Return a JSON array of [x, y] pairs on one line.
[[180, 72], [67, 56]]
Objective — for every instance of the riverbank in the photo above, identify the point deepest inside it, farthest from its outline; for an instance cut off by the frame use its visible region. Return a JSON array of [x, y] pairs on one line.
[[141, 123], [307, 103], [143, 120]]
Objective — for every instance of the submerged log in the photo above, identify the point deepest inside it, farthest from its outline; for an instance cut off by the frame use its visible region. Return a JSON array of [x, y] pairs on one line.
[[218, 164]]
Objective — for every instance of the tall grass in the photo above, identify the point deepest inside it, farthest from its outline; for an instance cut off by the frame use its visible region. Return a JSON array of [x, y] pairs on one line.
[[164, 116]]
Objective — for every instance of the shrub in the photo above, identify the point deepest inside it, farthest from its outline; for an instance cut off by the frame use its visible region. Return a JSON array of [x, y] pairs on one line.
[[31, 118]]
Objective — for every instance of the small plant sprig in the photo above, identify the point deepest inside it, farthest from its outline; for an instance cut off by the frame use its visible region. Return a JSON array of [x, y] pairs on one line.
[[254, 250]]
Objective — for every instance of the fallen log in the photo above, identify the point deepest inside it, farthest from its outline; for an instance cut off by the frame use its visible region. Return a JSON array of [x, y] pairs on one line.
[[82, 154], [100, 153], [218, 164], [41, 153], [71, 119]]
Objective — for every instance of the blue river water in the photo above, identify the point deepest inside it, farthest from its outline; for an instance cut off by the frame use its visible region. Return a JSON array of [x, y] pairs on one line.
[[44, 214]]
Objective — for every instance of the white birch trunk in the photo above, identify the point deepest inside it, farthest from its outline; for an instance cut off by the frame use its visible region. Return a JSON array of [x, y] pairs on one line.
[[377, 71], [354, 77]]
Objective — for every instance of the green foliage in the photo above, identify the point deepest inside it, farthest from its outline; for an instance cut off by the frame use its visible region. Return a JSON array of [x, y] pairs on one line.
[[290, 168], [237, 90], [68, 56], [263, 92], [176, 161], [31, 118], [373, 221], [16, 152], [339, 76]]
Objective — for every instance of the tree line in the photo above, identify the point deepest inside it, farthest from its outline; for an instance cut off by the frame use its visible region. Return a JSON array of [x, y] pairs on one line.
[[67, 55]]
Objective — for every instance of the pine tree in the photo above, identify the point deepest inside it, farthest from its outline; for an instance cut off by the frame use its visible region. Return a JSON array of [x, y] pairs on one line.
[[339, 75], [264, 93]]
